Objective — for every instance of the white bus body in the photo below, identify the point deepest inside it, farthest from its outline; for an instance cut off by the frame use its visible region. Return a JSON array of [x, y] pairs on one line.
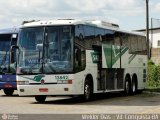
[[71, 57]]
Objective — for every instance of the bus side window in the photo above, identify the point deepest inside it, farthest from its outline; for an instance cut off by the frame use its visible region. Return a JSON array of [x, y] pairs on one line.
[[78, 56], [79, 49]]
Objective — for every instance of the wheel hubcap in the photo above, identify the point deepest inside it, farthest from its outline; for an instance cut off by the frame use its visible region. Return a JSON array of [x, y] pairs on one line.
[[133, 87], [87, 91], [127, 86]]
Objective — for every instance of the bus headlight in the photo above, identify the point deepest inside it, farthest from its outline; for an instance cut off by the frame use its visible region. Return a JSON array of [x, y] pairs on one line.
[[22, 82]]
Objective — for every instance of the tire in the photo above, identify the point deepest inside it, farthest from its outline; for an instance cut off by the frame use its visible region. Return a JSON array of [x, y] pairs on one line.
[[134, 87], [8, 92], [88, 90], [40, 98], [127, 87]]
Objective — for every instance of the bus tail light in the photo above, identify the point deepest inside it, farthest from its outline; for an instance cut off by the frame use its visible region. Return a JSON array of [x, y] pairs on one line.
[[8, 86]]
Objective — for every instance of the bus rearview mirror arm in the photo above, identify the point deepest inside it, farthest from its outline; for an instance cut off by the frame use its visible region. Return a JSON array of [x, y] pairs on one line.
[[11, 56]]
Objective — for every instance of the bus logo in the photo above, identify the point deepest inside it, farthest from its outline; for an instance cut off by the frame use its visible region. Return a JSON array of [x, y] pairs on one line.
[[95, 57], [36, 78]]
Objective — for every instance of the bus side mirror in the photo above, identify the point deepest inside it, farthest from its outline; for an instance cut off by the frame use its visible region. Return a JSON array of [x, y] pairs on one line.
[[12, 55]]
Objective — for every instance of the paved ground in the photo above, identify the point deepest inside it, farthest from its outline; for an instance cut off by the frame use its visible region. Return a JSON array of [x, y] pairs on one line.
[[106, 103]]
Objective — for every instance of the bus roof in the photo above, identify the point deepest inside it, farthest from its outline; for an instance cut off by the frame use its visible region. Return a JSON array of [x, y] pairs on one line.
[[9, 30], [95, 23]]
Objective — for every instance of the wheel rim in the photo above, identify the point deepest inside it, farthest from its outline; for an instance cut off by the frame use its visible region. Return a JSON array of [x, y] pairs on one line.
[[127, 87], [87, 91], [133, 87]]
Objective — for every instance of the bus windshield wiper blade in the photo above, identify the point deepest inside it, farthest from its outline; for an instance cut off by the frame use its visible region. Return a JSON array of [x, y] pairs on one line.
[[31, 67]]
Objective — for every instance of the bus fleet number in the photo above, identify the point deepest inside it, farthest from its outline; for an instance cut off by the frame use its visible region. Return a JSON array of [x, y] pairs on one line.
[[61, 77]]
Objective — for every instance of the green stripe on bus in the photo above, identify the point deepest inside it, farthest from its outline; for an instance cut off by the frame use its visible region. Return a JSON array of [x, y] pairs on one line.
[[113, 53], [131, 58]]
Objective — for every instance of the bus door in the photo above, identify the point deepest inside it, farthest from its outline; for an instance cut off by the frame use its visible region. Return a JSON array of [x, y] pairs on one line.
[[100, 73], [111, 59], [99, 37]]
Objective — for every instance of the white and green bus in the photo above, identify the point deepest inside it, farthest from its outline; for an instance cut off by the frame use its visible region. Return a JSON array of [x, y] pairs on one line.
[[76, 57]]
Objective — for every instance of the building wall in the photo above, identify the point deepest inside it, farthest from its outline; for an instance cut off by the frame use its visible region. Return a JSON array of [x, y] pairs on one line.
[[155, 51], [155, 37], [155, 55]]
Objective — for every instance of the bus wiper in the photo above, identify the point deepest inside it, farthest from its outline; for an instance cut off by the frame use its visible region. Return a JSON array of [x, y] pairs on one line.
[[49, 68], [31, 68], [28, 70]]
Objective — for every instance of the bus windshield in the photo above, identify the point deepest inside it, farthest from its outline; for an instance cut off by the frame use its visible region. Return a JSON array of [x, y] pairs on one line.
[[46, 50], [5, 41]]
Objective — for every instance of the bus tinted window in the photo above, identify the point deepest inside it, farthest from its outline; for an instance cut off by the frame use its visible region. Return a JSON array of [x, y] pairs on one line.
[[5, 42], [79, 48], [89, 36]]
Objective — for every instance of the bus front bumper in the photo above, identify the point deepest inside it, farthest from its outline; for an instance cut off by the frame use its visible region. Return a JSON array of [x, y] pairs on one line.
[[53, 89]]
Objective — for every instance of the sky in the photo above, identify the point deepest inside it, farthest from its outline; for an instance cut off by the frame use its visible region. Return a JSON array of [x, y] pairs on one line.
[[128, 14]]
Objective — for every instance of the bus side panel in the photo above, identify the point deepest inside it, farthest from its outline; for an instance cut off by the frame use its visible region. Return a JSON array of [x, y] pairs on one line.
[[135, 64]]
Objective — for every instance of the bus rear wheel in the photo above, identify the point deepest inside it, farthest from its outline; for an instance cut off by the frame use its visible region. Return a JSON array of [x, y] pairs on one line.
[[8, 92], [134, 87], [127, 87], [40, 98]]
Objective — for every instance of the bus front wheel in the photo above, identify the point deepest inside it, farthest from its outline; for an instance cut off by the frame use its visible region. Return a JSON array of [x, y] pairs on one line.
[[8, 92], [88, 90], [40, 98]]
